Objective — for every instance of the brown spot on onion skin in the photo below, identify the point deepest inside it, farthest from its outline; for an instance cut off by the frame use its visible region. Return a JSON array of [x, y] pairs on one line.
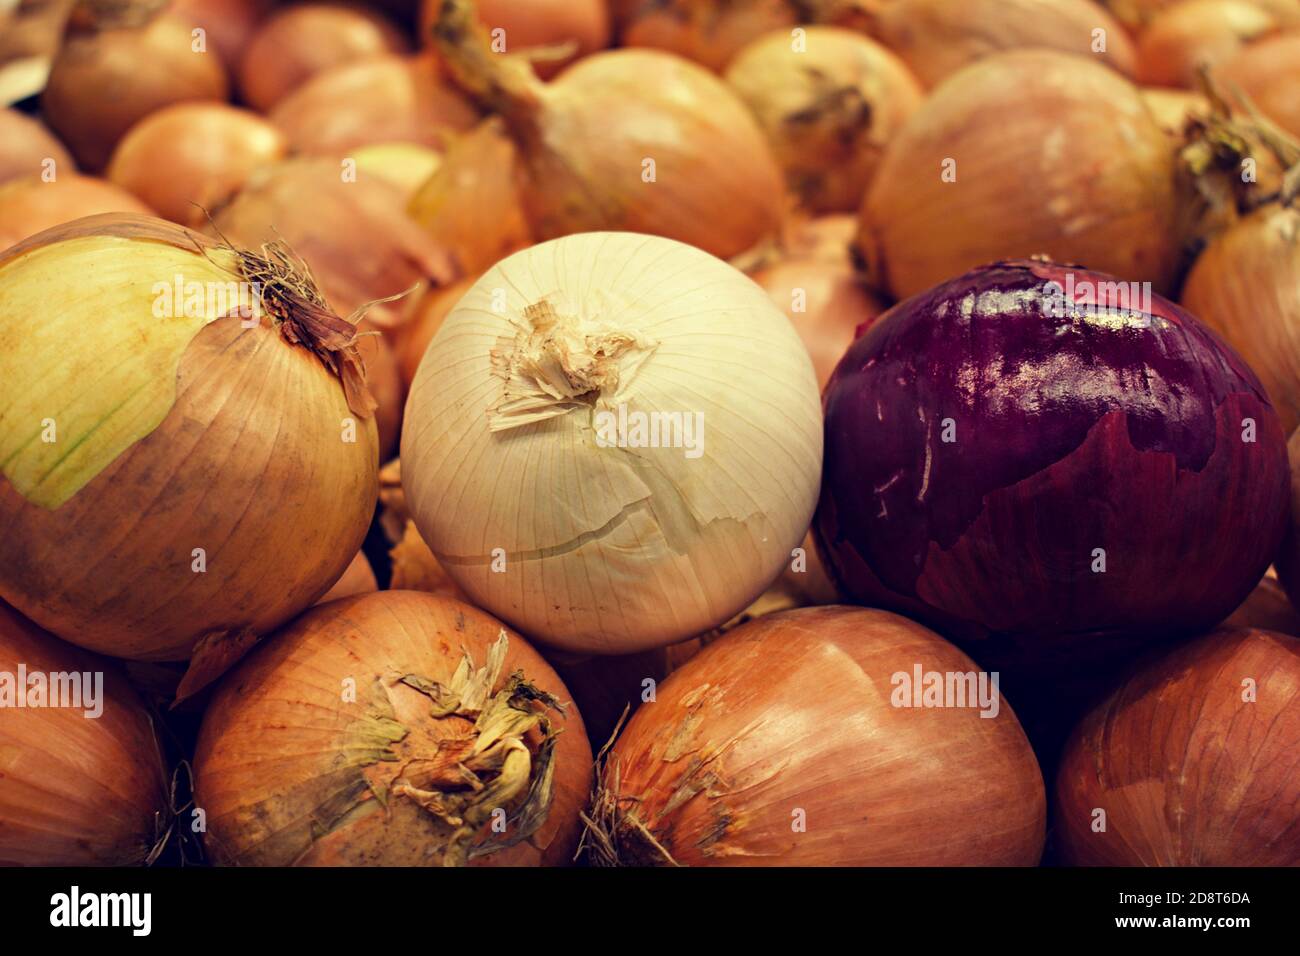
[[282, 789], [74, 791]]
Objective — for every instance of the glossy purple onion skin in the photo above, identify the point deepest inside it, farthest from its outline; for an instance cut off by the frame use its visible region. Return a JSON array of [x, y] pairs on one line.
[[1072, 433]]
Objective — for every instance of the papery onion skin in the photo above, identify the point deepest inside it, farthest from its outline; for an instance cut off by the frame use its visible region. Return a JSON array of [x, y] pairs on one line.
[[25, 145], [299, 42], [619, 548], [936, 38], [230, 24], [30, 205], [1269, 73], [1042, 178], [1181, 39], [827, 123], [1246, 286], [183, 161], [284, 753], [792, 717], [985, 459], [1192, 759], [627, 140], [538, 26], [102, 83], [385, 99], [76, 790], [201, 434]]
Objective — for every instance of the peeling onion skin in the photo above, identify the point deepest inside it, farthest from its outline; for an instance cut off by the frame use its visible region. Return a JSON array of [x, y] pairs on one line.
[[1043, 179], [270, 750], [1069, 435], [74, 791], [1187, 771], [793, 712]]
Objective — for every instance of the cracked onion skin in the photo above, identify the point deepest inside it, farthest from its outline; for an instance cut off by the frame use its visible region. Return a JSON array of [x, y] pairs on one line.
[[1072, 434], [288, 772], [74, 791], [793, 712], [1188, 771]]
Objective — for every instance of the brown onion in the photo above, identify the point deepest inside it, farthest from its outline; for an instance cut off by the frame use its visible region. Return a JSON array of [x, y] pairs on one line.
[[300, 42], [1246, 286], [828, 102], [408, 166], [415, 335], [186, 160], [1185, 37], [1171, 109], [355, 235], [626, 140], [350, 739], [543, 27], [416, 569], [1136, 14], [972, 179], [118, 64], [26, 146], [1191, 761], [384, 377], [785, 742], [357, 578], [230, 24], [822, 294], [1269, 73], [936, 38], [75, 789], [473, 205], [388, 99], [31, 205], [1268, 608], [710, 32]]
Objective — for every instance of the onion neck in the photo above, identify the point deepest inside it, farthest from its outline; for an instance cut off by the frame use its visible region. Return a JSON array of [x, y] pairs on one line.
[[501, 83]]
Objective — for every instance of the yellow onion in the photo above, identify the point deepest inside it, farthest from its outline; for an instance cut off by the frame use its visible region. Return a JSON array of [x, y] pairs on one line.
[[176, 479], [936, 38], [230, 24], [1171, 109], [1137, 14], [1269, 73], [1016, 156], [383, 99], [406, 165], [392, 729], [416, 569], [632, 140], [30, 205], [384, 377], [554, 32], [298, 42], [1246, 286], [1267, 608], [187, 159], [79, 785], [357, 578], [710, 32], [26, 145], [1181, 39], [427, 319], [473, 204], [829, 100], [791, 741], [535, 472], [118, 63], [817, 285]]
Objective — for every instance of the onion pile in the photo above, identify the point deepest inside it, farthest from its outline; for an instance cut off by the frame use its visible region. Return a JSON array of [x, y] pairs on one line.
[[551, 33], [828, 100], [629, 140], [807, 748], [388, 99], [118, 63], [208, 150], [301, 41], [25, 147], [31, 204], [659, 405], [228, 469], [1048, 469], [1181, 39], [970, 179], [392, 729], [936, 38], [81, 784], [1191, 761]]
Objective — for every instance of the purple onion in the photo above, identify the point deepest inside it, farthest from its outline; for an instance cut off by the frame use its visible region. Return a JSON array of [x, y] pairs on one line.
[[1049, 468]]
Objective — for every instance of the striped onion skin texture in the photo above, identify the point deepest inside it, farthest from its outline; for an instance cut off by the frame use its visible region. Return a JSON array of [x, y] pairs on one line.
[[291, 771], [612, 548], [782, 744], [74, 791], [172, 436], [1194, 760]]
